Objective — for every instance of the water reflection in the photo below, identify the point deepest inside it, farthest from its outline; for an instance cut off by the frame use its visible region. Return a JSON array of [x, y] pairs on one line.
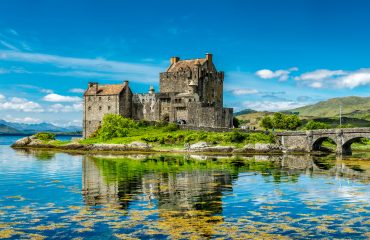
[[193, 196]]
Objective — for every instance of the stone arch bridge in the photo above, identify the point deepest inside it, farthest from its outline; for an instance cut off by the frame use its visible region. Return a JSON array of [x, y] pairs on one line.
[[308, 141]]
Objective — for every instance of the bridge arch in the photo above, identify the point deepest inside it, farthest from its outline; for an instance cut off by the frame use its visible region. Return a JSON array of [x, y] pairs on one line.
[[317, 143], [346, 146]]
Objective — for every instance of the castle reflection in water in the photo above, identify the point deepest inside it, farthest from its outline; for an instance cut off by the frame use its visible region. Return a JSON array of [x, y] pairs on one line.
[[184, 187]]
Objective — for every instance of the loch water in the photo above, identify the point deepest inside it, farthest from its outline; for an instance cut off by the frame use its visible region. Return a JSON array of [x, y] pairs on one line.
[[54, 195]]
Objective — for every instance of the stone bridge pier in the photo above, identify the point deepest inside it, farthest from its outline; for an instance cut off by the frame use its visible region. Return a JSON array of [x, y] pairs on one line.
[[308, 141]]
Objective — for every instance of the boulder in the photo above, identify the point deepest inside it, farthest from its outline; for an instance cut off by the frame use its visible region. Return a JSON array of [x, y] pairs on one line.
[[22, 142], [219, 149], [198, 145], [139, 145], [263, 147]]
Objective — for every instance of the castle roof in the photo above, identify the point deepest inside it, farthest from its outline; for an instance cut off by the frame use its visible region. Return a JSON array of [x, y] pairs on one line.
[[183, 64], [111, 89]]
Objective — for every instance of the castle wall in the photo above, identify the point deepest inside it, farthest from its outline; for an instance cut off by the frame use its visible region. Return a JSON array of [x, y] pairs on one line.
[[125, 103], [95, 107], [146, 107]]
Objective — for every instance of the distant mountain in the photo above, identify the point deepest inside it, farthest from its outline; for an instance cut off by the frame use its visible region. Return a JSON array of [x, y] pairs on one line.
[[4, 129], [19, 128], [353, 107], [245, 111]]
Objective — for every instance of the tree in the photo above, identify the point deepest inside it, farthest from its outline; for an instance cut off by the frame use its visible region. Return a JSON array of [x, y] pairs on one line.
[[236, 122], [312, 125], [266, 122], [281, 121], [115, 125]]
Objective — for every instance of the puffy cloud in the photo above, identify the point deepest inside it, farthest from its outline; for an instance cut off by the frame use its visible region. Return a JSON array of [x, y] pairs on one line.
[[282, 75], [77, 90], [19, 104], [319, 75], [358, 78], [272, 105], [242, 91], [53, 97], [336, 78], [76, 107]]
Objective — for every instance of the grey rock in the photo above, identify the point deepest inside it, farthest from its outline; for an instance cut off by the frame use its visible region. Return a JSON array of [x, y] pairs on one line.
[[22, 142], [199, 145]]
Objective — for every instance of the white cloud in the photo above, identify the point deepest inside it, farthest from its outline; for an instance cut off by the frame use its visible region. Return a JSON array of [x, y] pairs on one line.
[[282, 75], [19, 104], [319, 75], [335, 78], [76, 107], [358, 78], [86, 67], [272, 105], [28, 120], [239, 92], [77, 90], [2, 97], [316, 85], [53, 97], [74, 123]]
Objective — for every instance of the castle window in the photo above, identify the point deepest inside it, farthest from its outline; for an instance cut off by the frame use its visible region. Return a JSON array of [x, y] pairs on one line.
[[100, 108], [108, 108], [108, 98], [89, 108], [89, 122], [99, 98]]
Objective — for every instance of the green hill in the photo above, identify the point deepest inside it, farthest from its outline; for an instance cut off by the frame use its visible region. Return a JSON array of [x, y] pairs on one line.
[[352, 107], [355, 112]]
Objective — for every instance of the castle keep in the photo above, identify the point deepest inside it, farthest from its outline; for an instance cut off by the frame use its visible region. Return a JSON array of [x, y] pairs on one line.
[[190, 92]]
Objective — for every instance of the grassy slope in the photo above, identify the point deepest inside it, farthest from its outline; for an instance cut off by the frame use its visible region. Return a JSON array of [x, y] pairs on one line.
[[176, 139], [355, 107], [355, 111]]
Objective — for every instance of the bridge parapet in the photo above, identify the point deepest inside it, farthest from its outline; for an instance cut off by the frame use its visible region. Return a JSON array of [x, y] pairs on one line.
[[311, 140]]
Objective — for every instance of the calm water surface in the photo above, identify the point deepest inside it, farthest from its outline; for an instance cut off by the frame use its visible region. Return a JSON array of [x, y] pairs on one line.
[[63, 196]]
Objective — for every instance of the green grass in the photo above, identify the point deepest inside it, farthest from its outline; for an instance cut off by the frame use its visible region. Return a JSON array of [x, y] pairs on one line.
[[159, 136]]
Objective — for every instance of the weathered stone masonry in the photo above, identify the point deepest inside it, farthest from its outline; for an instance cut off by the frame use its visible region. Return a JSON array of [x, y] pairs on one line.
[[308, 141], [190, 91]]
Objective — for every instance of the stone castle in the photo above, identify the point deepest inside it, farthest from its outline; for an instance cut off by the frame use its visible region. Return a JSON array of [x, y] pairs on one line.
[[191, 93]]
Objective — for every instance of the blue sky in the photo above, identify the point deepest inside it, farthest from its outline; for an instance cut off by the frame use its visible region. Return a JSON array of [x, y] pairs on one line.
[[276, 54]]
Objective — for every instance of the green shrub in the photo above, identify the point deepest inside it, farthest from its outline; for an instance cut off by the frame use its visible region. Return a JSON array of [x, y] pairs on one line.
[[312, 125], [115, 125], [191, 138], [281, 121], [149, 138], [236, 137], [171, 127], [45, 136]]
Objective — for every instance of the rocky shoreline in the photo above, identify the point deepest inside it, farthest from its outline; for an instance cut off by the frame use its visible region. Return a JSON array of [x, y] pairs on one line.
[[200, 147]]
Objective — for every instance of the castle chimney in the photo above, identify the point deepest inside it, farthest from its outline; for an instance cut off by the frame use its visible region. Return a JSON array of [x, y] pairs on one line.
[[93, 86], [209, 59], [174, 60]]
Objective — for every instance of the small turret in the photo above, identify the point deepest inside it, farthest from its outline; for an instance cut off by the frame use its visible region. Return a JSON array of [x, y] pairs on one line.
[[151, 90]]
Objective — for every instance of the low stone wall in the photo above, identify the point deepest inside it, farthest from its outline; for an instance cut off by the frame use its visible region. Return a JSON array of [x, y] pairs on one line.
[[210, 129]]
